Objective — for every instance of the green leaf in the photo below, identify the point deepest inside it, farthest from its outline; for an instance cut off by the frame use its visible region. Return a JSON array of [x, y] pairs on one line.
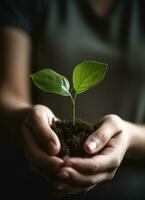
[[50, 81], [88, 74]]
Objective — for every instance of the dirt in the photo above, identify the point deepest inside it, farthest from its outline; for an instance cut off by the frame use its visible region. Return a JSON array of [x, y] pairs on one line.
[[72, 137]]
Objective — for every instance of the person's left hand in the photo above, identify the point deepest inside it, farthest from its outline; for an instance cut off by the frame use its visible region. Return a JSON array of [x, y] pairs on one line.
[[106, 146]]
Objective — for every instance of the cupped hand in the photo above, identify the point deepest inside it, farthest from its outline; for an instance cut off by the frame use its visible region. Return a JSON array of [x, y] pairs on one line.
[[106, 148], [41, 144]]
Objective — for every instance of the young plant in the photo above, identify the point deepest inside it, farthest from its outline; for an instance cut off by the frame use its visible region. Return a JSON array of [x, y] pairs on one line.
[[85, 76]]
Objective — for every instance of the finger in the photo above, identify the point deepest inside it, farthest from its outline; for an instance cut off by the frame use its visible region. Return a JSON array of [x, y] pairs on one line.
[[60, 193], [95, 164], [75, 178], [108, 159], [39, 126], [70, 189], [38, 157], [36, 170], [47, 175], [109, 126]]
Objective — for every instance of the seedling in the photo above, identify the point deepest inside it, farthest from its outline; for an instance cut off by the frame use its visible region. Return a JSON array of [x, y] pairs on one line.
[[85, 76]]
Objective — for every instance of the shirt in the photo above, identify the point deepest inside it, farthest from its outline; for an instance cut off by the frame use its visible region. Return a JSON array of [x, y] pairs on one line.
[[67, 32]]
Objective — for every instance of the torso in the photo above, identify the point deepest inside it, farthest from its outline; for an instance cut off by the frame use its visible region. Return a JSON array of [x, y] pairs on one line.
[[69, 39]]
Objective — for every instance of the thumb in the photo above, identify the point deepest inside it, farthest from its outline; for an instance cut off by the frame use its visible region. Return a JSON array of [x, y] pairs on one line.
[[41, 130], [98, 139], [51, 137], [53, 142]]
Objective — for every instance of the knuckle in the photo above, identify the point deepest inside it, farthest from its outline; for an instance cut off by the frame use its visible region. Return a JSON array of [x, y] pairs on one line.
[[115, 163], [36, 115], [113, 118], [36, 112], [102, 137], [92, 181], [111, 176], [33, 116], [95, 167]]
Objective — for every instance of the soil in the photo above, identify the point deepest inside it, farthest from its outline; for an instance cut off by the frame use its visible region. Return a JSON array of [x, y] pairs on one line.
[[72, 137]]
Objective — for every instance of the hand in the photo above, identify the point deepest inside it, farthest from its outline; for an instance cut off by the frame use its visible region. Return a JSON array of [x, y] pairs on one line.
[[107, 147], [40, 142]]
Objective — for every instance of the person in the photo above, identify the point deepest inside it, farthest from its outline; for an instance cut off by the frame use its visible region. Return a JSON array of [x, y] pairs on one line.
[[60, 34]]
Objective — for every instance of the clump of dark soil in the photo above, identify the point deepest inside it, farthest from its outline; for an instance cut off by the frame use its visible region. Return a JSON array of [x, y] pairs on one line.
[[72, 137]]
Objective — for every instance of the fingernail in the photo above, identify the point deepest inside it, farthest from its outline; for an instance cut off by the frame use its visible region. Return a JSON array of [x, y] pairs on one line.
[[64, 175], [92, 145]]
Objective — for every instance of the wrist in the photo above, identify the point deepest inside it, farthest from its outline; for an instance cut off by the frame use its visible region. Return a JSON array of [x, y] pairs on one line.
[[130, 134], [136, 141]]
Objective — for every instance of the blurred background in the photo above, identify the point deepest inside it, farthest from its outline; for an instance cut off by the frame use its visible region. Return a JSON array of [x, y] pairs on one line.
[[60, 34]]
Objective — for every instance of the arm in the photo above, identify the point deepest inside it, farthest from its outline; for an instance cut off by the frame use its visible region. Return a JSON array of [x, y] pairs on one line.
[[15, 61], [108, 145], [134, 135], [20, 121], [136, 148]]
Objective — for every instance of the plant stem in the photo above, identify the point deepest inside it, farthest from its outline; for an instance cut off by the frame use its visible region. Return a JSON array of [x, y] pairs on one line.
[[74, 108]]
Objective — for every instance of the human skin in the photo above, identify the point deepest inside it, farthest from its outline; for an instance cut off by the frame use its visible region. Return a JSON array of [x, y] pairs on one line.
[[22, 123], [101, 7], [27, 124], [109, 144]]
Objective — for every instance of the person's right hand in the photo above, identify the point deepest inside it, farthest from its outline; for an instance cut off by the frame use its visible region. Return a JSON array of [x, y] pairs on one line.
[[41, 144]]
